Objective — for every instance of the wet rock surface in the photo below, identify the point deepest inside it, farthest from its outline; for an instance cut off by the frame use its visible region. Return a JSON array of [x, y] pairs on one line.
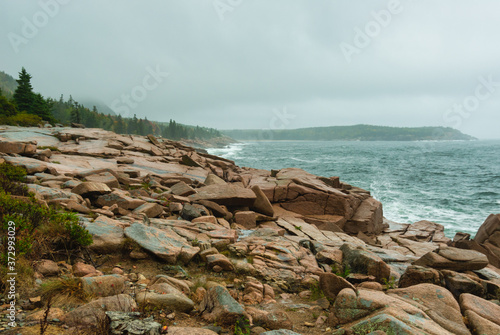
[[190, 239]]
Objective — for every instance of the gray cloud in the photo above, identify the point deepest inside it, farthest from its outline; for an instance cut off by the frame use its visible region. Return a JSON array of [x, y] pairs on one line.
[[266, 55]]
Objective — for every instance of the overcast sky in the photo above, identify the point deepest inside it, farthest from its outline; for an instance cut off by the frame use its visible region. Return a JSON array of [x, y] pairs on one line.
[[266, 63]]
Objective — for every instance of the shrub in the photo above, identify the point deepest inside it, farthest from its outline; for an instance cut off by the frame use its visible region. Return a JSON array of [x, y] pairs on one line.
[[22, 119], [39, 230], [65, 289], [11, 178], [39, 226]]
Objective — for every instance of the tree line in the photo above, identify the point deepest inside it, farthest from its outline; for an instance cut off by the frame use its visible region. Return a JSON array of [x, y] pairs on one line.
[[359, 132], [27, 108]]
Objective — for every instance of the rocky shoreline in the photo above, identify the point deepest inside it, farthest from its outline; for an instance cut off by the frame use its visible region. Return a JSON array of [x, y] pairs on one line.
[[201, 244]]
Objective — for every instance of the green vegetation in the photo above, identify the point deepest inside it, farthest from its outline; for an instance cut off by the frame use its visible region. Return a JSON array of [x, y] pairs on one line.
[[389, 284], [65, 289], [316, 292], [25, 107], [341, 272], [31, 230], [242, 327], [19, 105], [368, 327], [352, 133]]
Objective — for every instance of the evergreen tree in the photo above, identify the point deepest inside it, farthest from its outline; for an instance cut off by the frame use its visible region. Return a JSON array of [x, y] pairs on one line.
[[42, 107], [119, 126], [24, 96], [6, 107], [132, 125], [148, 128], [140, 127], [75, 116]]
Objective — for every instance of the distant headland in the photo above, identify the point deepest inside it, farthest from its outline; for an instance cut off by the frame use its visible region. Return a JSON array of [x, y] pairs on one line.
[[352, 133]]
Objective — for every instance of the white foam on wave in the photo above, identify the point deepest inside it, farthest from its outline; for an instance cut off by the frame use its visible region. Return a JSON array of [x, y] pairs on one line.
[[230, 151], [311, 161], [411, 212]]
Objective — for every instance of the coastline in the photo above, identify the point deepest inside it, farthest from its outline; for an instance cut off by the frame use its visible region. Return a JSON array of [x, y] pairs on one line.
[[280, 232]]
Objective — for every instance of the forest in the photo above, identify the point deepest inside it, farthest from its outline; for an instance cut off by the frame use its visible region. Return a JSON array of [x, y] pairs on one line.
[[20, 105]]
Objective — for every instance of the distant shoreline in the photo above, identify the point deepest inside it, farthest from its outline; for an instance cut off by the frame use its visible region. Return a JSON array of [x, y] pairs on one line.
[[351, 133]]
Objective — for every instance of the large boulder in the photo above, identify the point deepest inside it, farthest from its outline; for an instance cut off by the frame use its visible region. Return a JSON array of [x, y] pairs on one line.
[[455, 259], [21, 148], [103, 286], [31, 165], [306, 194], [490, 229], [94, 312], [229, 195], [247, 219], [367, 311], [218, 305], [164, 296], [367, 219], [437, 302], [415, 275], [221, 261], [483, 308], [47, 267], [332, 284], [273, 319], [164, 243], [150, 209], [488, 239], [121, 199], [107, 234], [105, 178], [481, 325], [182, 189], [425, 231], [459, 283], [262, 203], [360, 260], [91, 189]]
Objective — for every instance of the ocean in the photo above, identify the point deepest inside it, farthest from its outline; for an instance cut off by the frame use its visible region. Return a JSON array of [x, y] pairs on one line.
[[454, 183]]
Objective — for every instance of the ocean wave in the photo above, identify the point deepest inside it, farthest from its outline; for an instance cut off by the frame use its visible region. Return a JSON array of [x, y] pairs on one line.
[[311, 161], [228, 151], [485, 194]]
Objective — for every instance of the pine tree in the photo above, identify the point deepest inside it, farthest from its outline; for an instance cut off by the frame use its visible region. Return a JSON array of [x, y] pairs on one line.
[[75, 116], [42, 107], [119, 126], [24, 96]]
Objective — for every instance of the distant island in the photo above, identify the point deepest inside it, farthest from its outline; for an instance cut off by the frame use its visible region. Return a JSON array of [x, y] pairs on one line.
[[352, 133]]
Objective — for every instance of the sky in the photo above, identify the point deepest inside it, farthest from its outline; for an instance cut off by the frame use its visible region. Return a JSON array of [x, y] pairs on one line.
[[266, 64]]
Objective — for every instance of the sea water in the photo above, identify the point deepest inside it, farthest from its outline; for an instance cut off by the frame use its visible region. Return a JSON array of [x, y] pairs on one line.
[[454, 183]]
